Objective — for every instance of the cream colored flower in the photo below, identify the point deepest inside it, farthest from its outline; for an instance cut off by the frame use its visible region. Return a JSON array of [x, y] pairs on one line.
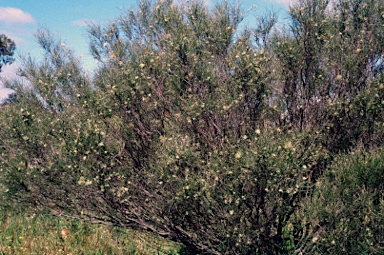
[[288, 145]]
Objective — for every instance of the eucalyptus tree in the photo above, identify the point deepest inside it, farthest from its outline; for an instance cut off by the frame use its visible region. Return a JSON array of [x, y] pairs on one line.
[[7, 49]]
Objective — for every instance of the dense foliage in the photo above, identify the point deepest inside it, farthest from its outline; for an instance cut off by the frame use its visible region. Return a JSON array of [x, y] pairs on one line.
[[227, 140]]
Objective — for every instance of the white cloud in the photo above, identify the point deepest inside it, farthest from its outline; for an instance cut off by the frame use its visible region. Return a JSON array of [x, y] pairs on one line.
[[4, 94], [9, 71], [18, 26], [14, 15]]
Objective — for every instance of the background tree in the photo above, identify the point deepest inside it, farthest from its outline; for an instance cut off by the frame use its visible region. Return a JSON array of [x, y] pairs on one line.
[[7, 49]]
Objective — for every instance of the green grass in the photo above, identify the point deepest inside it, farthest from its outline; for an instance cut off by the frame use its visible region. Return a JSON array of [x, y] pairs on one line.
[[40, 234]]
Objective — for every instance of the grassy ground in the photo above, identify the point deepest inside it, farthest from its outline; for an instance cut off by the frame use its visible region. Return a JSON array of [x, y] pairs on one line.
[[39, 234]]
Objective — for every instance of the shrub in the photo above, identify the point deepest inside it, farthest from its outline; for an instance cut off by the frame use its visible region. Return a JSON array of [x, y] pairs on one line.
[[357, 121], [193, 129], [345, 215]]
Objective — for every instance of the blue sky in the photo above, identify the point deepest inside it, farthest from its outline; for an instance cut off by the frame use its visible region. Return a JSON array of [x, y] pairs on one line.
[[19, 20]]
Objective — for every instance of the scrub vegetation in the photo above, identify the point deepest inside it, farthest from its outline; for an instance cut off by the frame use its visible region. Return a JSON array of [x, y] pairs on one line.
[[224, 139]]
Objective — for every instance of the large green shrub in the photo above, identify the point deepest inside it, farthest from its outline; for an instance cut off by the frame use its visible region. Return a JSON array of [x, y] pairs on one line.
[[198, 131]]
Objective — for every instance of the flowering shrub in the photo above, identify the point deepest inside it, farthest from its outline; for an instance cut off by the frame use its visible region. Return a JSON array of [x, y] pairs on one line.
[[193, 129]]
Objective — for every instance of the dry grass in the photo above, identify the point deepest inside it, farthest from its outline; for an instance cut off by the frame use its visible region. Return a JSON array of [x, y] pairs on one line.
[[39, 234]]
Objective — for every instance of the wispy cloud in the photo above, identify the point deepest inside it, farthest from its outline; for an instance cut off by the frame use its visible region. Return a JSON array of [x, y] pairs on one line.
[[286, 2], [14, 15], [82, 22]]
